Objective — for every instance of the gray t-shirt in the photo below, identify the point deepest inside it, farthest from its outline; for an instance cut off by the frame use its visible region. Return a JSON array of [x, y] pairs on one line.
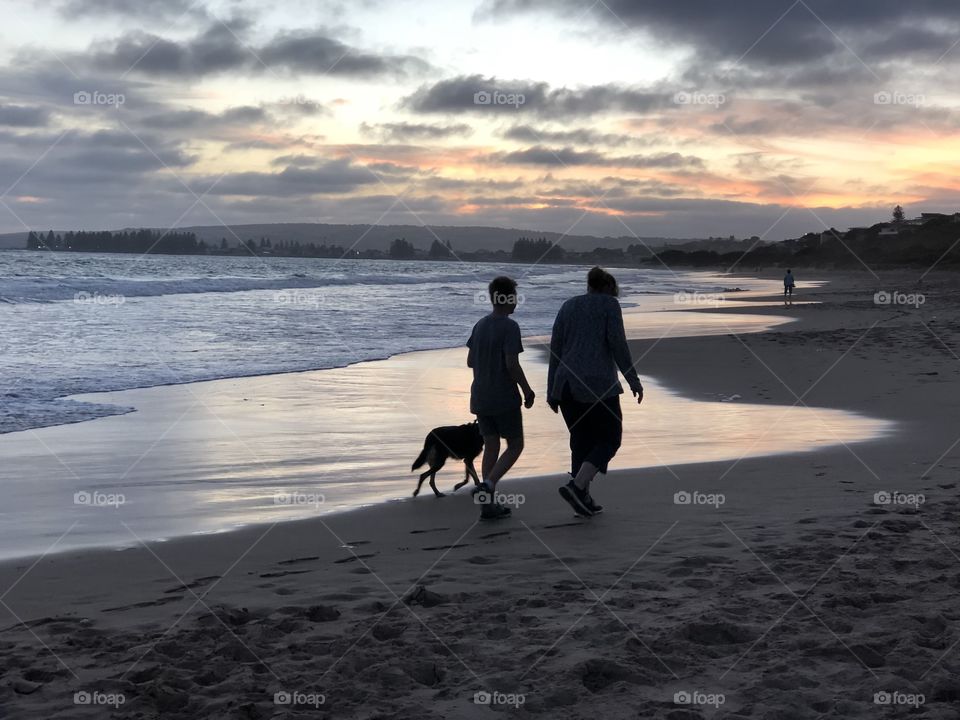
[[493, 390]]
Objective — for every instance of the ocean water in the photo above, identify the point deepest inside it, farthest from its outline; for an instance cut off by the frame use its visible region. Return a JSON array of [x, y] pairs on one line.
[[257, 379], [81, 323]]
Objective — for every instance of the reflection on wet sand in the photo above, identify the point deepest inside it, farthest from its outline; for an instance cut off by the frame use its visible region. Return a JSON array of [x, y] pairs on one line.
[[210, 456]]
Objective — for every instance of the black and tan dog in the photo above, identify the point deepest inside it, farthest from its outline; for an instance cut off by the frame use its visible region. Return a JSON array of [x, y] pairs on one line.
[[460, 442]]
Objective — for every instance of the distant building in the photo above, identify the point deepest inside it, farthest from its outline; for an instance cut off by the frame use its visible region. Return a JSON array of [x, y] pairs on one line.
[[927, 217]]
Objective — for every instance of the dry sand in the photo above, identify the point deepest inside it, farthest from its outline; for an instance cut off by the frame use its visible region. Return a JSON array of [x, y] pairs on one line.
[[797, 597]]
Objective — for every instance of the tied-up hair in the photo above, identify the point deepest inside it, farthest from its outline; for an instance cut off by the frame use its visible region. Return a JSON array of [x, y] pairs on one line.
[[599, 280]]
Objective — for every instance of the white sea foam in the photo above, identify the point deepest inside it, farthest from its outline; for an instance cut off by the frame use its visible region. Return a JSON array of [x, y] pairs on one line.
[[75, 323]]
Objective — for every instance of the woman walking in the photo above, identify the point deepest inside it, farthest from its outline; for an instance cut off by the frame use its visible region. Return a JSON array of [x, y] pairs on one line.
[[587, 347]]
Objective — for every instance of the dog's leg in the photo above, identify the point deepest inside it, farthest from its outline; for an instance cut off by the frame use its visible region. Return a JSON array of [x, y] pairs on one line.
[[466, 476], [423, 477], [473, 472], [433, 483]]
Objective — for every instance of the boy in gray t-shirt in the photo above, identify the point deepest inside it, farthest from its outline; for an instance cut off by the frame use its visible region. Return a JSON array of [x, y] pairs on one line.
[[495, 348]]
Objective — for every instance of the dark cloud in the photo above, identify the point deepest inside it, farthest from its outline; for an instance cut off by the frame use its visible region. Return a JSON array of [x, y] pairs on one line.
[[755, 32], [130, 8], [297, 179], [191, 119], [470, 93], [438, 182], [76, 167], [24, 116], [577, 136], [569, 157], [222, 47], [909, 43], [216, 49], [415, 131], [316, 53]]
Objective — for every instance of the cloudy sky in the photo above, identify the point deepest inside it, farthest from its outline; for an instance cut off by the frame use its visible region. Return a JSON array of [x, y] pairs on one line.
[[679, 118]]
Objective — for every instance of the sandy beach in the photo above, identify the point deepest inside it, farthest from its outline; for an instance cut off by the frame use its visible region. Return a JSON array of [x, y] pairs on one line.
[[804, 585]]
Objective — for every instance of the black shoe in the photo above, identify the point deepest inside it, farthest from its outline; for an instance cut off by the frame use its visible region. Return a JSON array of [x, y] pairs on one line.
[[592, 506], [494, 511], [576, 499]]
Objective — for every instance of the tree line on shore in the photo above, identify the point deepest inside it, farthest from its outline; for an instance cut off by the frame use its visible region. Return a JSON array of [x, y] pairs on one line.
[[933, 238]]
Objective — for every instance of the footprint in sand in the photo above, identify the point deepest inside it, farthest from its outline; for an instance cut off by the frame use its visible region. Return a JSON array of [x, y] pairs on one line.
[[354, 558], [199, 582], [283, 573], [496, 534]]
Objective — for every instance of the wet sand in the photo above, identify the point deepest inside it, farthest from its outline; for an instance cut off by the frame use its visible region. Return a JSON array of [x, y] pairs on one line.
[[214, 456], [803, 594]]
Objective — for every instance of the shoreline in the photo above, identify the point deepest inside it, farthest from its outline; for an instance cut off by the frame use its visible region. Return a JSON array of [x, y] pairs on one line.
[[75, 406], [178, 506], [666, 372], [377, 609]]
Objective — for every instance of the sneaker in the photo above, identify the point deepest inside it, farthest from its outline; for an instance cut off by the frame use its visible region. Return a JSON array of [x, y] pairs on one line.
[[576, 498], [494, 511], [592, 506]]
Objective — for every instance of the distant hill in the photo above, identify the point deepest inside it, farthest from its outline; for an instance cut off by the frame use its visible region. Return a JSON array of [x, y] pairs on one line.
[[931, 240], [378, 237]]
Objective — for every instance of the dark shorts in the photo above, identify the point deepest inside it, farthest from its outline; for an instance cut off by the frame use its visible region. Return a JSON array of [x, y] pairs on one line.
[[507, 424]]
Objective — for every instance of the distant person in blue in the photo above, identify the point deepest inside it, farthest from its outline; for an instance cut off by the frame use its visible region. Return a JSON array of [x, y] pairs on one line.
[[788, 284], [494, 354], [587, 347]]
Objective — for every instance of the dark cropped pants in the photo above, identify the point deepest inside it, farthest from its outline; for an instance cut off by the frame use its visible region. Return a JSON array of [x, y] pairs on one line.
[[596, 430]]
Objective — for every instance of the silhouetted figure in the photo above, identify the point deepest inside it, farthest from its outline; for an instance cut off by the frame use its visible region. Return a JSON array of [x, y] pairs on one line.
[[788, 284], [494, 353], [587, 346]]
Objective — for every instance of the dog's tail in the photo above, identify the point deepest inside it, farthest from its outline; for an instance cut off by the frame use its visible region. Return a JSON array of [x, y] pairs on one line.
[[421, 458]]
